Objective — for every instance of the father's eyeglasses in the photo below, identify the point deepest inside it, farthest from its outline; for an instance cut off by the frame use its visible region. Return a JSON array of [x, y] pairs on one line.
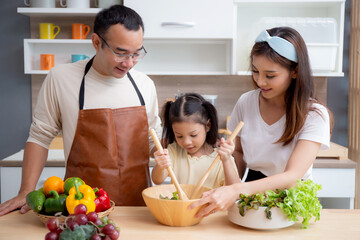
[[122, 57]]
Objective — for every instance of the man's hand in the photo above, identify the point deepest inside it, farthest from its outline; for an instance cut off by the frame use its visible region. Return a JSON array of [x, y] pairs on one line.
[[14, 203]]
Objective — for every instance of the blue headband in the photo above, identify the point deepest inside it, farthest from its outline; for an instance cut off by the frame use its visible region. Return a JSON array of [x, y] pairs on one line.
[[279, 45]]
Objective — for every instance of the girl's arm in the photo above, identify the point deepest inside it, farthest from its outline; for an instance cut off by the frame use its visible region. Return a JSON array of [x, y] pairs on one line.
[[225, 150], [159, 173], [238, 155], [300, 161]]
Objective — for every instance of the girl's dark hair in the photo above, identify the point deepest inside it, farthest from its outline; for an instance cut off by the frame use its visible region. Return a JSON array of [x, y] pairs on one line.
[[117, 14], [300, 94], [189, 107]]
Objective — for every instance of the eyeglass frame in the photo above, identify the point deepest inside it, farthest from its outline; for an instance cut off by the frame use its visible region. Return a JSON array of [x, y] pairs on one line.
[[124, 55]]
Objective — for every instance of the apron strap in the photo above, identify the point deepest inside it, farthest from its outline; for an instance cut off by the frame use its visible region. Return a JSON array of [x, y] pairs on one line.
[[82, 87], [136, 89]]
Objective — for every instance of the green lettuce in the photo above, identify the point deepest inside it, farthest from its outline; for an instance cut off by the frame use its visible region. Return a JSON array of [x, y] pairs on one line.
[[81, 232], [298, 201], [174, 197]]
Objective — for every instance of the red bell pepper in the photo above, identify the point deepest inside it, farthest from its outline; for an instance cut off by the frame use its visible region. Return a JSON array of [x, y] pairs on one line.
[[102, 200]]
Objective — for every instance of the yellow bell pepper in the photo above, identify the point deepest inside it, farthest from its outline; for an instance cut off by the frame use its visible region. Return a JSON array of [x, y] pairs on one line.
[[82, 194]]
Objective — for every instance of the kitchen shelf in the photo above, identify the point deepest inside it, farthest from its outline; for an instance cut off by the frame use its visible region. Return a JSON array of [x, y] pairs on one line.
[[61, 48], [58, 12], [182, 57], [186, 57], [330, 74]]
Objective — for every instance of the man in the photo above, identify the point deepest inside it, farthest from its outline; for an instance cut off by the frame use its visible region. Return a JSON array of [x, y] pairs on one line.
[[103, 108]]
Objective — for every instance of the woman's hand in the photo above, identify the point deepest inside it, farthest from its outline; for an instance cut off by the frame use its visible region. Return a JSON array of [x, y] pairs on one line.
[[226, 149], [162, 158], [217, 199]]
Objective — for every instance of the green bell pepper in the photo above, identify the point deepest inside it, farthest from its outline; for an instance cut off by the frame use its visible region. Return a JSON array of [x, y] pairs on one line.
[[56, 203]]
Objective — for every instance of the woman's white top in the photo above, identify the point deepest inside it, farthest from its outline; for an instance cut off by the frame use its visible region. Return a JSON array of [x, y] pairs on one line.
[[258, 139]]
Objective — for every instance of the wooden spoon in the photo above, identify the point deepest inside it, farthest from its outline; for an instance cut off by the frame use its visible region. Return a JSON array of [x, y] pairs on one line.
[[182, 195], [202, 180]]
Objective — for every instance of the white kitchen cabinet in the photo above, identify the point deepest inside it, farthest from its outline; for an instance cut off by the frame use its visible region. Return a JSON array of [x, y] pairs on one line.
[[186, 37], [338, 185], [10, 179], [202, 37], [251, 12], [204, 19]]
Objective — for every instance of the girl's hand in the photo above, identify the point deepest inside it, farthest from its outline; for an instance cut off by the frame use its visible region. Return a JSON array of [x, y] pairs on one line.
[[226, 149], [162, 158], [218, 199]]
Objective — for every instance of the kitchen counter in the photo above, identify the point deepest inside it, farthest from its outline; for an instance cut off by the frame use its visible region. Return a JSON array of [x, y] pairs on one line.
[[56, 159], [337, 177], [138, 223]]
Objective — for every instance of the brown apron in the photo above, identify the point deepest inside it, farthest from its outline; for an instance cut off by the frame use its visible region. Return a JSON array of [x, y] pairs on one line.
[[111, 149]]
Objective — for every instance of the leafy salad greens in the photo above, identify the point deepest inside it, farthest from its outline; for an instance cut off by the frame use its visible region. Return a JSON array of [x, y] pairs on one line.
[[298, 201], [174, 197]]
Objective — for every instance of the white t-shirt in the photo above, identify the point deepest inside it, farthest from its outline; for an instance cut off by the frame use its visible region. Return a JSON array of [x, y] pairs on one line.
[[189, 170], [57, 108], [258, 139]]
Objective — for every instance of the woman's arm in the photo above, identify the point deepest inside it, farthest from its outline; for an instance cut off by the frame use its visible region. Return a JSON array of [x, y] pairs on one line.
[[238, 156], [301, 159], [299, 162]]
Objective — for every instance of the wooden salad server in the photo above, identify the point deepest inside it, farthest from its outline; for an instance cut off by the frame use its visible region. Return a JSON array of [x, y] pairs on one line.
[[182, 195], [202, 180]]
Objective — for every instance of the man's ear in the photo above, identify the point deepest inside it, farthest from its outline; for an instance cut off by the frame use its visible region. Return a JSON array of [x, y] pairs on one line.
[[96, 41]]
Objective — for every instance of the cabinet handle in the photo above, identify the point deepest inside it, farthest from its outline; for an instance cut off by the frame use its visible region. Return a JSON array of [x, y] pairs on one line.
[[178, 24]]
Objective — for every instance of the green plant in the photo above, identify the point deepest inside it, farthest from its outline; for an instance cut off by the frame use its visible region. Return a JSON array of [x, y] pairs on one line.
[[298, 201]]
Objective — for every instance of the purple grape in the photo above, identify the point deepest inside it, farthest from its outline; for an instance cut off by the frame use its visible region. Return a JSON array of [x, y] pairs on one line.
[[95, 237], [98, 222], [51, 236], [73, 225], [92, 216], [52, 224], [108, 229], [81, 219], [115, 235], [80, 209]]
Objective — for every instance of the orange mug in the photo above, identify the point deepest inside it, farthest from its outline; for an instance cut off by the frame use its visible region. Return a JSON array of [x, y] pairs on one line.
[[80, 31], [46, 61]]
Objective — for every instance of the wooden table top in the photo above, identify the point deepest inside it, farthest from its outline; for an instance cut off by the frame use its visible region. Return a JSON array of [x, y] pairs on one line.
[[137, 223]]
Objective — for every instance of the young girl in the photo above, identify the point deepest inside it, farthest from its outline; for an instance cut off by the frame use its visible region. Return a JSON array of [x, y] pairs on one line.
[[285, 125], [190, 132]]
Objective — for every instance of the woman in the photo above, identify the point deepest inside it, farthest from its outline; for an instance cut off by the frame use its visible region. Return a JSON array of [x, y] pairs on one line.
[[285, 126]]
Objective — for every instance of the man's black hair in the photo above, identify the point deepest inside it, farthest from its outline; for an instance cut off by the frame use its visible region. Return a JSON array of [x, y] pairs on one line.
[[117, 14]]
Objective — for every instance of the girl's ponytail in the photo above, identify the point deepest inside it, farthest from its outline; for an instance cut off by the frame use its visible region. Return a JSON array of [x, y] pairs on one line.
[[167, 134], [212, 135]]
